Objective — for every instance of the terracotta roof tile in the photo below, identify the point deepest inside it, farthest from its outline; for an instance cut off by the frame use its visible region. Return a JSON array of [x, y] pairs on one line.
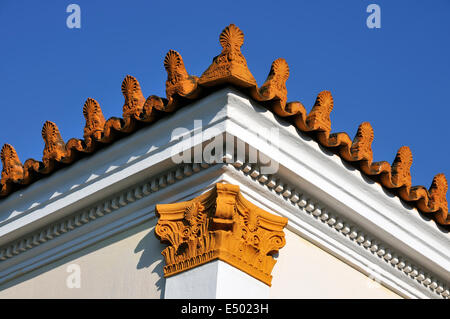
[[228, 68]]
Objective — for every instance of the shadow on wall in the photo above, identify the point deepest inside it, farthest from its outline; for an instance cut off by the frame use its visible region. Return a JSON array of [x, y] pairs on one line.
[[151, 260], [148, 245]]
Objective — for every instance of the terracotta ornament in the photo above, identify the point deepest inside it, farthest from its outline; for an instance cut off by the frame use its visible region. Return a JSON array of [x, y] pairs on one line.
[[178, 82], [55, 148], [12, 171], [220, 224], [95, 121], [438, 191], [134, 99], [230, 65], [229, 68], [319, 117], [361, 148], [401, 168], [275, 85]]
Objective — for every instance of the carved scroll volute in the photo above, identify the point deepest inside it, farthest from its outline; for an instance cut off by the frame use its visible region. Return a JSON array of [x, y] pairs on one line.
[[55, 147], [95, 121], [134, 99], [275, 85], [225, 205], [178, 80], [230, 65], [12, 170], [319, 117], [438, 198], [220, 224]]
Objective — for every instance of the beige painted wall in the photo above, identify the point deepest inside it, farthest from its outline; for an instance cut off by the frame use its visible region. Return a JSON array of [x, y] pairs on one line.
[[305, 271], [128, 265]]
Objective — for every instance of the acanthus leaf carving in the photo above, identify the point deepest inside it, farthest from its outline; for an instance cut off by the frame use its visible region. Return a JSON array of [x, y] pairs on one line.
[[220, 224]]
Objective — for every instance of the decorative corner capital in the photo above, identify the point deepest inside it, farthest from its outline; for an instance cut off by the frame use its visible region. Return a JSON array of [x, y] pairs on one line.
[[220, 224]]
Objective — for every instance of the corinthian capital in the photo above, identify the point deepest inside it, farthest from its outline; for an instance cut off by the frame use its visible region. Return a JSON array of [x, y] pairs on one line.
[[220, 224]]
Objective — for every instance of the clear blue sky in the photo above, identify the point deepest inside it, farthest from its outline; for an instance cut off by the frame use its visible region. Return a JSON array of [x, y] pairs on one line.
[[396, 77]]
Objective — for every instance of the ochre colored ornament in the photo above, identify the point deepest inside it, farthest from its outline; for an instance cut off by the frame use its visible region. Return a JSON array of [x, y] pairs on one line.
[[362, 143], [438, 191], [95, 121], [12, 166], [230, 65], [229, 68], [178, 80], [319, 117], [220, 224], [134, 99], [55, 148]]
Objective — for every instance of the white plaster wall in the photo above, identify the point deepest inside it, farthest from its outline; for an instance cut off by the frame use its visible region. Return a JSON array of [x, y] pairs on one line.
[[215, 280], [127, 265], [303, 270]]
